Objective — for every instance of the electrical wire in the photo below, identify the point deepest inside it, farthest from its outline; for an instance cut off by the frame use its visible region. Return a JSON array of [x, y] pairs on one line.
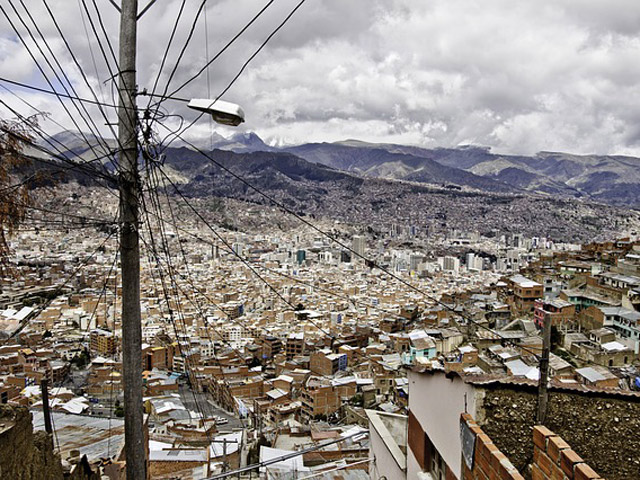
[[56, 93], [131, 115], [216, 56], [80, 107], [180, 314], [57, 291], [166, 142], [166, 51], [334, 239], [85, 167], [32, 55], [49, 118], [184, 47], [321, 329], [93, 58]]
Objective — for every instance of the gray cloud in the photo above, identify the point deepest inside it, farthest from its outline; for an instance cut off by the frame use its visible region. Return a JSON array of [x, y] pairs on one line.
[[516, 76]]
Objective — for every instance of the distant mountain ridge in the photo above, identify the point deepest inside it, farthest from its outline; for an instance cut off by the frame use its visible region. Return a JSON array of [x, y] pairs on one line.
[[382, 163], [309, 188], [360, 198], [612, 179]]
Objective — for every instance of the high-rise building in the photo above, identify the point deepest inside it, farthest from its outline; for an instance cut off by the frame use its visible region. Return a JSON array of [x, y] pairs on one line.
[[358, 245], [449, 264], [474, 263], [470, 261], [415, 260]]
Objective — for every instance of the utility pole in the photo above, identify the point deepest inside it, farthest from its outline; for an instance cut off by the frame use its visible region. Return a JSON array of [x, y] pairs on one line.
[[543, 395], [129, 183], [44, 391], [224, 455]]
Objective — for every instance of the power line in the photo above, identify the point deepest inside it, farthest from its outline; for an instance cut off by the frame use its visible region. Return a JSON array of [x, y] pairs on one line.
[[341, 467], [93, 58], [104, 31], [276, 272], [175, 284], [229, 43], [48, 117], [184, 47], [321, 329], [245, 262], [31, 54], [246, 63], [127, 110], [58, 289], [339, 242], [282, 458], [55, 93], [166, 51], [186, 358], [86, 167], [88, 119]]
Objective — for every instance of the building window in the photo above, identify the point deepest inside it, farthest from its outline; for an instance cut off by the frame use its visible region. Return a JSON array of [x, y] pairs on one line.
[[438, 468]]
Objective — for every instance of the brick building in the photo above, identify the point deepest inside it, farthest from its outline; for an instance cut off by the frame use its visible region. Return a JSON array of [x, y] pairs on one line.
[[559, 312], [525, 293], [325, 363], [319, 398], [103, 342]]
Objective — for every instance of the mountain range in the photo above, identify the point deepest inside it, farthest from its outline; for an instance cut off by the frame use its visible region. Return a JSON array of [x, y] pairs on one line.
[[611, 179], [379, 185]]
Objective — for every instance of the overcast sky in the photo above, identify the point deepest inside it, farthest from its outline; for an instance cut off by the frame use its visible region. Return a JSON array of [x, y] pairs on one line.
[[517, 76]]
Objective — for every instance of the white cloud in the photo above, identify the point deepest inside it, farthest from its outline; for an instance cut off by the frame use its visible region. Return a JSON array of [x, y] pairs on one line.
[[517, 76]]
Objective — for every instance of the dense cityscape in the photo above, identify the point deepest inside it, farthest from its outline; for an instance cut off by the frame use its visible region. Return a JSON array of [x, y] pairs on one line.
[[265, 342], [363, 240]]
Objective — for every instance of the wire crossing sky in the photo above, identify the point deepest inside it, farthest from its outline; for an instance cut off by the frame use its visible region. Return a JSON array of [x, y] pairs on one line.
[[519, 77]]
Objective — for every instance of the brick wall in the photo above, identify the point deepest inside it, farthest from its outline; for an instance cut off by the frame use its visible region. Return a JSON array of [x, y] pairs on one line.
[[602, 427], [554, 459], [489, 463]]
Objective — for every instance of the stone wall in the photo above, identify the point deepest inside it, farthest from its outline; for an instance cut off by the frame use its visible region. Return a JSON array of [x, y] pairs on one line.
[[601, 428], [553, 458], [25, 455], [488, 461]]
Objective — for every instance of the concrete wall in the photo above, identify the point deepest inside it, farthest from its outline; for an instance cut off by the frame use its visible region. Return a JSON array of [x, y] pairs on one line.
[[388, 459], [437, 402]]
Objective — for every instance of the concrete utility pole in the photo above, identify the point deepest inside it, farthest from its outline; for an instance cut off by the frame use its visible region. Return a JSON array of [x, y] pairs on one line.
[[129, 182], [543, 395]]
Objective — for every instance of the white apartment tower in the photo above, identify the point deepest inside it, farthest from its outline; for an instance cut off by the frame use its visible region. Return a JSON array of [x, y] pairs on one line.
[[358, 245]]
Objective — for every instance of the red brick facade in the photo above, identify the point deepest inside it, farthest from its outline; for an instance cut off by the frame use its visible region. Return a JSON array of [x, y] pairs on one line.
[[554, 459]]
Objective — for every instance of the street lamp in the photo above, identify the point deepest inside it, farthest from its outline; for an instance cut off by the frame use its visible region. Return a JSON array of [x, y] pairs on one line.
[[222, 112]]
